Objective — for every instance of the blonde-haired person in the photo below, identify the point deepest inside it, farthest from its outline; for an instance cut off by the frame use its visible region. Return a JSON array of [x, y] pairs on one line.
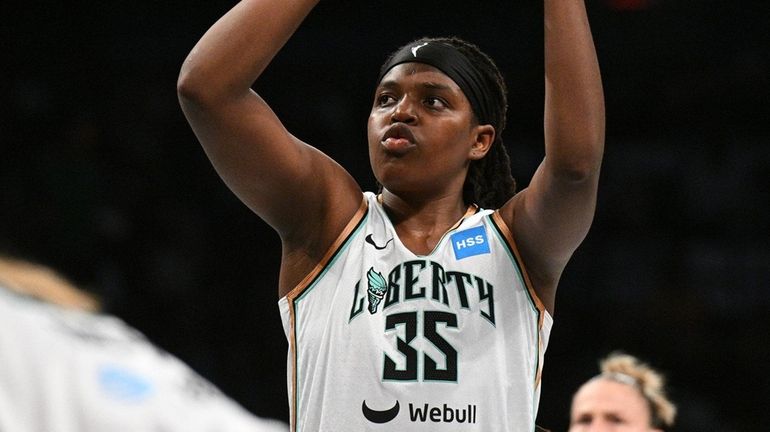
[[43, 283], [67, 367], [628, 395]]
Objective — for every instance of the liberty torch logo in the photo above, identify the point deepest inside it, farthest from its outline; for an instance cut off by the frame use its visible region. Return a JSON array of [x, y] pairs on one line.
[[376, 290]]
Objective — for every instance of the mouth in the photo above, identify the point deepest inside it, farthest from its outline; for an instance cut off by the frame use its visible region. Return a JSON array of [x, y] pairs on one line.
[[398, 139]]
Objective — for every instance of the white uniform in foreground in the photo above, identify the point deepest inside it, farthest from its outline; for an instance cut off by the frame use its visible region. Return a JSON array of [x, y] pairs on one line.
[[64, 370]]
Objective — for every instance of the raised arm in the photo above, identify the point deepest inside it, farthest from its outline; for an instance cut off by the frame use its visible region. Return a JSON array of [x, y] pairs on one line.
[[552, 216], [288, 183]]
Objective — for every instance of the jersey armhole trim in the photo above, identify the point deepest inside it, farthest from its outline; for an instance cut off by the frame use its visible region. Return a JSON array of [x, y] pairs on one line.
[[301, 287], [502, 227], [351, 226]]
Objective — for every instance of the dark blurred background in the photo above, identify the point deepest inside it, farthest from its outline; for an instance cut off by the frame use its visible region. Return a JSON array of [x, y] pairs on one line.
[[101, 178]]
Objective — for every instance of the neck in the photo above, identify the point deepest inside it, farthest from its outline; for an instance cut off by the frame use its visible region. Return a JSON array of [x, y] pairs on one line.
[[420, 224]]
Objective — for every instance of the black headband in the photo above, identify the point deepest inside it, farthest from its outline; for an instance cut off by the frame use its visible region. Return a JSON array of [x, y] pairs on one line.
[[456, 66]]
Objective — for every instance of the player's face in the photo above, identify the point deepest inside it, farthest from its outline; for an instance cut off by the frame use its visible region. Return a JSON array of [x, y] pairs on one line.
[[605, 405], [422, 132]]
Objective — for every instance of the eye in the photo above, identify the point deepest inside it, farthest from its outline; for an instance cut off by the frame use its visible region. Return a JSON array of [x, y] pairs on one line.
[[385, 99], [584, 419], [435, 102]]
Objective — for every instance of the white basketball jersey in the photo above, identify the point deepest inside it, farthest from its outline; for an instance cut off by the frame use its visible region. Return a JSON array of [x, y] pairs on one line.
[[71, 371], [381, 339]]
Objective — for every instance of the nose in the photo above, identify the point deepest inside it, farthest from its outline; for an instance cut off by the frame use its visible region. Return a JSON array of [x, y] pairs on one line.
[[403, 112]]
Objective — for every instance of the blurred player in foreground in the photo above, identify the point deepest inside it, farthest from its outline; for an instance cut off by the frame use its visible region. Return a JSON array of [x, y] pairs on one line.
[[65, 367]]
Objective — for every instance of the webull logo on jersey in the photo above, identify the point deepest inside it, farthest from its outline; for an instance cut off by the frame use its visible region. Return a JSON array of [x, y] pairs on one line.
[[470, 242], [423, 413]]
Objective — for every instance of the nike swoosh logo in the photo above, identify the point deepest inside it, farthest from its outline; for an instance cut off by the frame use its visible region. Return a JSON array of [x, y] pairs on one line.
[[380, 416], [376, 246], [416, 48]]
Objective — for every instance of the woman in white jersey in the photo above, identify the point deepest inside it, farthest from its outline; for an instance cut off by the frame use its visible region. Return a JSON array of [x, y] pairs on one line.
[[426, 306], [67, 367]]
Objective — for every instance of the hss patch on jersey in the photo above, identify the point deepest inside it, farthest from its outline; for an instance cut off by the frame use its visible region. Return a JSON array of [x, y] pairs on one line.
[[470, 242]]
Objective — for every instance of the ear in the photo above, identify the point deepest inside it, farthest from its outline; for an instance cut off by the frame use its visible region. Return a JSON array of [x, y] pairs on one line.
[[484, 136]]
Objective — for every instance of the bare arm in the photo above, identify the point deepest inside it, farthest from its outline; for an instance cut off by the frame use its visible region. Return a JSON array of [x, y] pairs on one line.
[[288, 183], [553, 215]]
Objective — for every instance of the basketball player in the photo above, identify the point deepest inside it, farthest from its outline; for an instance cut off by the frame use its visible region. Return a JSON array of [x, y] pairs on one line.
[[427, 305], [66, 367], [627, 396]]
